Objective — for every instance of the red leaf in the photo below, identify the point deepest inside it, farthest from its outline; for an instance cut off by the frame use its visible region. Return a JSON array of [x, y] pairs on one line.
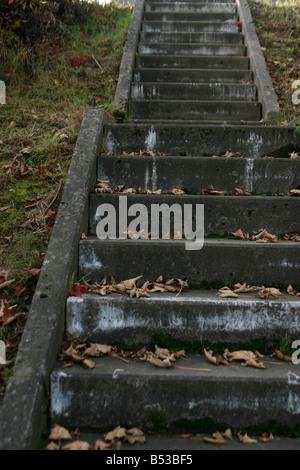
[[78, 290]]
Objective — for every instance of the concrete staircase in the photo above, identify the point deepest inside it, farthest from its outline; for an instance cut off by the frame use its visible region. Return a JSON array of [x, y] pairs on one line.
[[188, 80]]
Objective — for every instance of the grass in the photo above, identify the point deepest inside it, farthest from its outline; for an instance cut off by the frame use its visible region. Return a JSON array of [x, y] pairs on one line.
[[39, 126], [278, 27]]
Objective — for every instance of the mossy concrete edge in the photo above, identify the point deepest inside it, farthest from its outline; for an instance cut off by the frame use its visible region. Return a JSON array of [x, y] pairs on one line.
[[266, 94], [24, 410], [120, 104]]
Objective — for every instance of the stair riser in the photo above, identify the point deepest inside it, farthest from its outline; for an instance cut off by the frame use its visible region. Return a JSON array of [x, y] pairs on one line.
[[263, 176], [210, 17], [194, 110], [193, 140], [239, 400], [217, 262], [194, 76], [191, 49], [192, 62], [178, 7], [223, 215], [130, 324], [193, 91], [223, 38], [189, 26]]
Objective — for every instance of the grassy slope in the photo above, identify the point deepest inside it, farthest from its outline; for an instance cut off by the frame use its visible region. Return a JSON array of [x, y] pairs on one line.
[[278, 27], [38, 130]]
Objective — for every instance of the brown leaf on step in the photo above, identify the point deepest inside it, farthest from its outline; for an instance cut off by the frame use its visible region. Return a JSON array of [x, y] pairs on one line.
[[59, 433], [240, 288], [294, 192], [186, 436], [295, 155], [52, 446], [102, 445], [96, 350], [245, 439], [226, 292], [215, 358], [134, 435], [283, 357], [115, 434], [266, 292], [177, 191], [227, 434], [291, 291], [216, 438], [162, 363], [234, 155], [295, 237], [242, 192], [249, 357], [77, 445], [210, 190], [238, 234], [265, 437]]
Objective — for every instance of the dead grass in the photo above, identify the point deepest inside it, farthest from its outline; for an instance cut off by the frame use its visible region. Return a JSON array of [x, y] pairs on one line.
[[39, 126]]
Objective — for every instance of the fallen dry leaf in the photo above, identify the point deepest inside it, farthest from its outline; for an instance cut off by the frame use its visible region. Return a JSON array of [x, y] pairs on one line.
[[77, 445], [245, 439], [227, 292], [177, 191], [52, 446], [249, 357], [265, 437], [294, 192], [215, 358], [59, 433], [227, 434], [216, 438], [115, 434], [134, 435], [295, 155], [281, 356]]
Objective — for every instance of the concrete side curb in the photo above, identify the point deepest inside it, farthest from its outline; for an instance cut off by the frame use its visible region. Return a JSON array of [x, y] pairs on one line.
[[127, 64], [266, 94], [23, 415]]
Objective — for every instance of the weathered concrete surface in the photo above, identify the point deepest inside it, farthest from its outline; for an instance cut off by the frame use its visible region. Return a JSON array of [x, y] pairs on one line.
[[187, 139], [188, 37], [194, 110], [202, 16], [258, 176], [155, 75], [24, 408], [219, 261], [223, 214], [191, 49], [240, 397], [193, 91], [192, 26], [192, 62], [127, 62], [131, 323], [191, 7]]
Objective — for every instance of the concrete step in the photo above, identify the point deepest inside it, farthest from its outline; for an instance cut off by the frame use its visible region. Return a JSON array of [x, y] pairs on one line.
[[191, 16], [131, 324], [272, 176], [192, 75], [194, 110], [206, 140], [192, 62], [193, 7], [223, 214], [192, 49], [191, 26], [193, 91], [102, 397], [185, 37], [219, 261]]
